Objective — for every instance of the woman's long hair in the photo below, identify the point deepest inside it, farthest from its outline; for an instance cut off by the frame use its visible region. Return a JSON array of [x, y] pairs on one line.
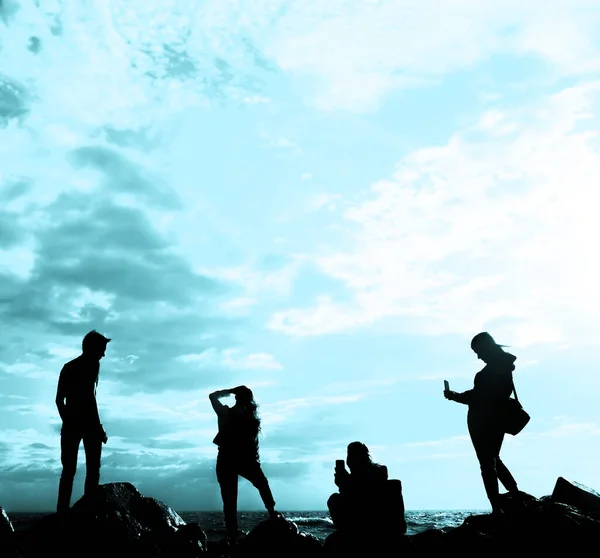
[[359, 456], [245, 399], [484, 339]]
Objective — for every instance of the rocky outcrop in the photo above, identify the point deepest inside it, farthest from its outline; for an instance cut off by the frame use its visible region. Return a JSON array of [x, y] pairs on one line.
[[528, 525], [577, 495], [275, 538], [127, 523], [121, 522], [6, 527], [8, 540]]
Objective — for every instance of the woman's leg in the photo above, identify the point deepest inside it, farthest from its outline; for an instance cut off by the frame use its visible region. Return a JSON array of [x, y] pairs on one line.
[[505, 477], [253, 472], [496, 438], [227, 476], [486, 447]]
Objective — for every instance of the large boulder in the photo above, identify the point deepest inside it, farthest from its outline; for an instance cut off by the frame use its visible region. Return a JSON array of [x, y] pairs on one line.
[[578, 495], [364, 543], [529, 524], [8, 539], [6, 526], [278, 537], [119, 521]]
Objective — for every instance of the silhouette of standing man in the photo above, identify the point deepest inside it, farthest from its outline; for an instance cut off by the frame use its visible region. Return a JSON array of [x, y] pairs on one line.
[[76, 402]]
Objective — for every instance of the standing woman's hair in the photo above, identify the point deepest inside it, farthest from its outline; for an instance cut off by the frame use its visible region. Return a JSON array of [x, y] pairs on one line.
[[245, 398], [485, 339]]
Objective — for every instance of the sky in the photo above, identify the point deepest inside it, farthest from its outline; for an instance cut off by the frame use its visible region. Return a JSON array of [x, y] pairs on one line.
[[323, 201]]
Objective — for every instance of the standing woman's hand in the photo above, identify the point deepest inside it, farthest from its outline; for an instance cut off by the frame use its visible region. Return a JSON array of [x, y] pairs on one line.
[[450, 395]]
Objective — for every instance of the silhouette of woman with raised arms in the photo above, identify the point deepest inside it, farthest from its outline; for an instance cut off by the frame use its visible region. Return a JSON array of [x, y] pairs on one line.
[[492, 388], [238, 455]]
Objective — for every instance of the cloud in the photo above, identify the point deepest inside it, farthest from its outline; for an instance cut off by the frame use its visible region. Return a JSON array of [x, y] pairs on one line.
[[285, 470], [123, 175], [40, 446], [289, 433], [10, 230], [13, 100], [272, 275], [230, 358], [129, 73], [137, 431], [281, 410], [350, 59], [239, 305], [153, 474], [100, 264], [30, 473], [485, 230]]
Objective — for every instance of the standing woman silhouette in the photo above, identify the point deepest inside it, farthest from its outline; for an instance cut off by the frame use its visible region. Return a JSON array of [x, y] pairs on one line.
[[238, 454], [492, 387]]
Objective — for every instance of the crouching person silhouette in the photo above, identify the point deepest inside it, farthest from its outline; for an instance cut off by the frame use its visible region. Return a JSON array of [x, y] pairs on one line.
[[78, 409], [366, 487], [238, 453]]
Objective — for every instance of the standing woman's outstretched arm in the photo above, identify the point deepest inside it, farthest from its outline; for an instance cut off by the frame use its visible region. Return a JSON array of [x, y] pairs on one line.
[[214, 399], [464, 397]]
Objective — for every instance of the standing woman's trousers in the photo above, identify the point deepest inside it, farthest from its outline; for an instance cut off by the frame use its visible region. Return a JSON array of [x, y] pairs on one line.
[[229, 468], [487, 437]]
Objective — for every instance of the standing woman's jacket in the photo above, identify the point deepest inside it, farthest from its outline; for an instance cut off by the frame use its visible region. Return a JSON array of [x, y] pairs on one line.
[[492, 387], [238, 434]]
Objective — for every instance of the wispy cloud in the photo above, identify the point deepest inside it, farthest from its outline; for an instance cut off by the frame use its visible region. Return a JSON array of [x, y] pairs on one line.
[[231, 358], [471, 232], [360, 55]]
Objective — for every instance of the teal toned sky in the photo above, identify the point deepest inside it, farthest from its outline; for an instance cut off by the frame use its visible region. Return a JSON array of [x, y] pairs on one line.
[[323, 200]]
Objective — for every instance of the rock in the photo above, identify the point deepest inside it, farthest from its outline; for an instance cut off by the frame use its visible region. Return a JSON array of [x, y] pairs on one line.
[[8, 540], [278, 537], [127, 523], [122, 521], [341, 545], [6, 526], [189, 541], [528, 525], [577, 495]]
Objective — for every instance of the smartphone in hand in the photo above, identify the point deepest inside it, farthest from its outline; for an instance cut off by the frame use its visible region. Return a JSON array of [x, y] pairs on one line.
[[446, 385], [340, 465]]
